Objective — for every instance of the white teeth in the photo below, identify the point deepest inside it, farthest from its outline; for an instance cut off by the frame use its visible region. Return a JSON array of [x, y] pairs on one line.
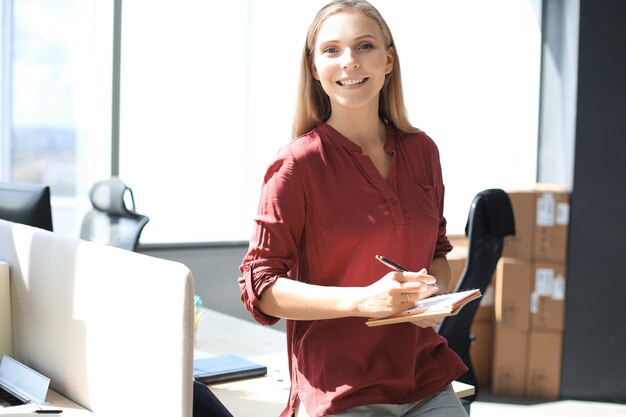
[[352, 82]]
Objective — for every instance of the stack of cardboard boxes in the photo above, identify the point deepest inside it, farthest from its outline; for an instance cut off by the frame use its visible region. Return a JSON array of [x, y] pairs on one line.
[[530, 297], [518, 328]]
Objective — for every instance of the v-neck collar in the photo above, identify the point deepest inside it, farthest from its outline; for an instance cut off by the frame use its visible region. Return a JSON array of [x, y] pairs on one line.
[[364, 163], [390, 140]]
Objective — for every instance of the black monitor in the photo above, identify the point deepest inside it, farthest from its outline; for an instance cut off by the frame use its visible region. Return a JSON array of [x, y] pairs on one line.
[[26, 203]]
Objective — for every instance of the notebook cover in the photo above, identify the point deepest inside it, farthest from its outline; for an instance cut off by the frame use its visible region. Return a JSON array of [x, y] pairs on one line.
[[225, 368], [438, 306]]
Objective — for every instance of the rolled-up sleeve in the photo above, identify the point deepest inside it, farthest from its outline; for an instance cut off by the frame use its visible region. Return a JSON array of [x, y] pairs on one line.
[[443, 246], [276, 236]]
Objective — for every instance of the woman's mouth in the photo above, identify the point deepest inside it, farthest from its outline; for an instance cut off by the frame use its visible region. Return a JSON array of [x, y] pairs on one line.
[[351, 82]]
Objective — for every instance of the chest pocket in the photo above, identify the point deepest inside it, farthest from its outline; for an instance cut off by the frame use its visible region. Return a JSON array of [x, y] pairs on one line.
[[426, 201]]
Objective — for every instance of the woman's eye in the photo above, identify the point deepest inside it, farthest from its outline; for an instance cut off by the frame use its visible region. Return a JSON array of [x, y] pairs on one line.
[[366, 46], [330, 50]]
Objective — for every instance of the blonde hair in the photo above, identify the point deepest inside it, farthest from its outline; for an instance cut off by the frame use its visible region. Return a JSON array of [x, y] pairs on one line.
[[312, 103]]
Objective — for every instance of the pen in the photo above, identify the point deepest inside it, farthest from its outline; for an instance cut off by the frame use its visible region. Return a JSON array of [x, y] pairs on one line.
[[397, 267]]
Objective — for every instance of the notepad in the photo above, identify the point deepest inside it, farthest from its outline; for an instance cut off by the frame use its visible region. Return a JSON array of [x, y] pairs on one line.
[[225, 368], [437, 306]]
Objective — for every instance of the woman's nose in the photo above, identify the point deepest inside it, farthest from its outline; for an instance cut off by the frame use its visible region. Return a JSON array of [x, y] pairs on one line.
[[348, 59]]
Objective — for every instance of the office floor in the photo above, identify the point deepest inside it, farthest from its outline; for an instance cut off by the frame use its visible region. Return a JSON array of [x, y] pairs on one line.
[[489, 406]]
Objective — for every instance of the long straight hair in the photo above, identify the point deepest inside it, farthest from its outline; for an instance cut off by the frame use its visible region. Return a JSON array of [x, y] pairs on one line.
[[312, 102]]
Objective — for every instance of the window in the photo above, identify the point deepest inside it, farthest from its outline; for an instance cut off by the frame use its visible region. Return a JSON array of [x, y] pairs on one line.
[[56, 104], [471, 72], [207, 93]]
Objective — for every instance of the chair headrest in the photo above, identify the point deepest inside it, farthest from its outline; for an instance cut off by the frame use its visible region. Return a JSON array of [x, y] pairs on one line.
[[108, 196], [498, 212]]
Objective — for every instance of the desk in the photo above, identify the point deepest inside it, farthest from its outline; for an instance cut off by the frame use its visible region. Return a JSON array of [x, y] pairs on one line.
[[257, 397], [53, 401]]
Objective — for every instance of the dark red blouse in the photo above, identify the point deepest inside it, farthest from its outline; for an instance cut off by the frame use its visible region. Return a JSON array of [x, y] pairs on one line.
[[325, 212]]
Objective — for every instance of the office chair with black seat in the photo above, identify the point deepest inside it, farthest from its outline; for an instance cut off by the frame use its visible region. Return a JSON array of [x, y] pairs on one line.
[[490, 220], [110, 221]]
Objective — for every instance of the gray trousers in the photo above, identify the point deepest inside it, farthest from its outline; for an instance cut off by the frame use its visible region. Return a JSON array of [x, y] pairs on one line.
[[445, 403]]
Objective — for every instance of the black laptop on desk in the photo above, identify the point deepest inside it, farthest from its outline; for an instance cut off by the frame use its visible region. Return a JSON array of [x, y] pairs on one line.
[[224, 368]]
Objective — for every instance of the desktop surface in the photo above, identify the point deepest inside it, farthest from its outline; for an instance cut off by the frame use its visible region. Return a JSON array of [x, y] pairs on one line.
[[266, 396]]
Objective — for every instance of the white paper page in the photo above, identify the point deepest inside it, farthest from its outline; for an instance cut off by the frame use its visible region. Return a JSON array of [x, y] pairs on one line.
[[440, 302]]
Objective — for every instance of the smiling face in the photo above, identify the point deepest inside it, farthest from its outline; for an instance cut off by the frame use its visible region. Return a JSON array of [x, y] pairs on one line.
[[350, 60]]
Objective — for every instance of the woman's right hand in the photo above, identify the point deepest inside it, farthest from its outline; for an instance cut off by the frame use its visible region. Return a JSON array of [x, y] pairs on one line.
[[394, 292]]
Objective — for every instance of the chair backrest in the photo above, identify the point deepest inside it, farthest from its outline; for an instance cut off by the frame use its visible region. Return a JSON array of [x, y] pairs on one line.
[[111, 221], [490, 219]]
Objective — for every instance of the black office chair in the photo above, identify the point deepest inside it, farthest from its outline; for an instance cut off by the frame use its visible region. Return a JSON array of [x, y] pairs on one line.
[[206, 404], [490, 219], [110, 221]]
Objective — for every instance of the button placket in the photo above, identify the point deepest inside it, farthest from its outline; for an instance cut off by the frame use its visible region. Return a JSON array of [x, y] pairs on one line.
[[367, 168]]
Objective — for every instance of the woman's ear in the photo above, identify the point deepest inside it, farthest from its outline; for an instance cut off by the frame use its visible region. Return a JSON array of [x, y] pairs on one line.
[[391, 56], [314, 72]]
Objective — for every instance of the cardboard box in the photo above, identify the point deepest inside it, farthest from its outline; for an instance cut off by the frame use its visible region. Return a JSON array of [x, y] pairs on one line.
[[520, 246], [481, 352], [541, 224], [509, 362], [547, 299], [487, 308], [543, 376], [513, 287], [551, 225], [457, 259]]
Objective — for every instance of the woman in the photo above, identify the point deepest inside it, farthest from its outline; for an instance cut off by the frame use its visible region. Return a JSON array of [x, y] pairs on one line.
[[357, 181]]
